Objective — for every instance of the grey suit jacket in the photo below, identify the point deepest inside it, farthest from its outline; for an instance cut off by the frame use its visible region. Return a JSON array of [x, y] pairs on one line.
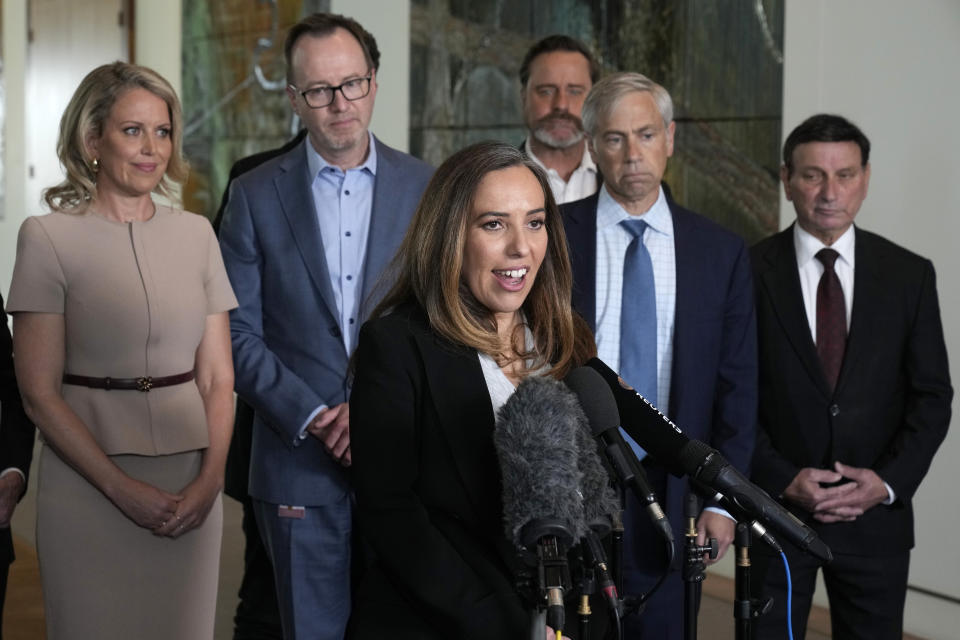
[[288, 352]]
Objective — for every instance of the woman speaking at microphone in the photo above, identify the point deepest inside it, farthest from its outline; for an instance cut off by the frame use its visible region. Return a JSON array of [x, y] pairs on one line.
[[481, 300]]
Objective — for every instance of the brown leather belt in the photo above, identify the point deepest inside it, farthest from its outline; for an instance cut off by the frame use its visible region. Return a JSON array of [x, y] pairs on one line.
[[143, 383]]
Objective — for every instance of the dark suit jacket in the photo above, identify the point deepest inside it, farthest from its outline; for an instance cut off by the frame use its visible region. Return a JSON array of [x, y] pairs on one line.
[[16, 430], [891, 407], [713, 394], [428, 489]]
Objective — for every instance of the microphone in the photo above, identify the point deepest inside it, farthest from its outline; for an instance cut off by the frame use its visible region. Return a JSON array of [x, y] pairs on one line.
[[600, 502], [666, 442], [600, 506], [737, 512], [536, 444], [601, 410]]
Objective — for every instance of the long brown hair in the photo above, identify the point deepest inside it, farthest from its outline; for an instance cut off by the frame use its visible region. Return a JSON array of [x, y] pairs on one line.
[[428, 267]]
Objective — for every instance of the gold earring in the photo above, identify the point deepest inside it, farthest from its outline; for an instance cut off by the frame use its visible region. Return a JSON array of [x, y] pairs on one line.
[[95, 165]]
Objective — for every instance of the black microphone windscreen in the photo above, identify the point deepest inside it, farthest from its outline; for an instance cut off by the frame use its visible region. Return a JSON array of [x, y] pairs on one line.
[[595, 397], [536, 444]]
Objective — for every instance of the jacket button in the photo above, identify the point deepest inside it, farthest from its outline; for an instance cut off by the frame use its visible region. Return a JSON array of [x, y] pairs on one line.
[[834, 410], [335, 332]]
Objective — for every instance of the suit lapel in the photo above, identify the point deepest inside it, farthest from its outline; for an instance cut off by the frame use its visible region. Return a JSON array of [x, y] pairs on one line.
[[868, 290], [781, 281], [385, 225], [685, 258], [296, 202], [581, 229], [463, 405]]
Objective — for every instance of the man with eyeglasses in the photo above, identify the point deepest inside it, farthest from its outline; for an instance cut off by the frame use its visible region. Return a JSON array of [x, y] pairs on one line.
[[305, 237]]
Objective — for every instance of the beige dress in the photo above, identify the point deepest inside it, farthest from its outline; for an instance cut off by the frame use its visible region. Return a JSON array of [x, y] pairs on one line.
[[135, 298]]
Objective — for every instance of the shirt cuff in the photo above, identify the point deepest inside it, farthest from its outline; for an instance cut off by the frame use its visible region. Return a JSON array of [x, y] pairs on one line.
[[302, 434], [722, 512], [14, 470], [891, 495]]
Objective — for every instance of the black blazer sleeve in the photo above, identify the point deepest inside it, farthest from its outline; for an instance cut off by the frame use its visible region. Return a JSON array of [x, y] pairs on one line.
[[431, 549], [16, 430], [927, 393]]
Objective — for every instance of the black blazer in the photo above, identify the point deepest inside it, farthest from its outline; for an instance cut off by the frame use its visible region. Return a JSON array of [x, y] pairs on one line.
[[16, 430], [891, 406], [428, 490]]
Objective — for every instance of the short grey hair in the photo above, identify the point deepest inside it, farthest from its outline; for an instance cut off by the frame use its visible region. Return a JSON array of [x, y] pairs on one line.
[[604, 96]]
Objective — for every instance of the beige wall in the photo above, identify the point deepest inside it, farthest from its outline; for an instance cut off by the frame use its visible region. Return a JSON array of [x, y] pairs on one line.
[[389, 22], [14, 152]]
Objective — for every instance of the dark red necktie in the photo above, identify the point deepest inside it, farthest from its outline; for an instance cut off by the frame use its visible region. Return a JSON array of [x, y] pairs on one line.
[[831, 318]]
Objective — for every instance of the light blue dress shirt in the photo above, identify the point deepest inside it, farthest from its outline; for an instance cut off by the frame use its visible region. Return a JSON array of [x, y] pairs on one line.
[[612, 243], [343, 202]]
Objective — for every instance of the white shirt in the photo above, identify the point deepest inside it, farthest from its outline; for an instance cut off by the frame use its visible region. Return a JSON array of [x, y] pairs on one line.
[[612, 243], [810, 269], [582, 182], [806, 247]]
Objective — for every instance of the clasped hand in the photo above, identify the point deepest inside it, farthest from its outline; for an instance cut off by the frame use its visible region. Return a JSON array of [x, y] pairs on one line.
[[844, 502], [11, 486], [164, 513], [332, 427]]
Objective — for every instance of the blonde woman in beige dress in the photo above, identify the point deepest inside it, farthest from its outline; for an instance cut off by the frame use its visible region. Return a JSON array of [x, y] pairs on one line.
[[122, 352]]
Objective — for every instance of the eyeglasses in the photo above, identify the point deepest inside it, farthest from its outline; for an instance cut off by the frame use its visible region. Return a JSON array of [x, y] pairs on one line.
[[320, 97]]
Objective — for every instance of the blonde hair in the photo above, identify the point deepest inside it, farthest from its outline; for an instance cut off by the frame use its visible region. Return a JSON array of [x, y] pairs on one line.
[[428, 268], [85, 116]]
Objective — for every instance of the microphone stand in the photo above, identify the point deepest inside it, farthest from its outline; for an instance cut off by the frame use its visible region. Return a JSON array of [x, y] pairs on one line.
[[588, 586], [616, 542], [551, 539], [693, 568], [745, 608]]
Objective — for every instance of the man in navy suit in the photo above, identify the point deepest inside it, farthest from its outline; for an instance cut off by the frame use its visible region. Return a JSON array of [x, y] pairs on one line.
[[305, 238], [702, 359], [855, 390], [16, 449]]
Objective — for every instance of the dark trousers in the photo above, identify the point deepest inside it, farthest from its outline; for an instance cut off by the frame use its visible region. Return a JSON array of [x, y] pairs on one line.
[[258, 616], [866, 593]]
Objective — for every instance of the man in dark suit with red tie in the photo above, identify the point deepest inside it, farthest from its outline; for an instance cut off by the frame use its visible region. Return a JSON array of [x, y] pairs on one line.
[[854, 389], [16, 449]]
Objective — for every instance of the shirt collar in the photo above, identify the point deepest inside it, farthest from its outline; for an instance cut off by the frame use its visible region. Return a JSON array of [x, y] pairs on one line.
[[807, 245], [611, 213], [316, 163], [586, 162]]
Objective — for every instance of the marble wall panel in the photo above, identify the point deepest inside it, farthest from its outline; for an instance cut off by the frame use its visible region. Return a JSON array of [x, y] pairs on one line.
[[233, 79], [720, 60]]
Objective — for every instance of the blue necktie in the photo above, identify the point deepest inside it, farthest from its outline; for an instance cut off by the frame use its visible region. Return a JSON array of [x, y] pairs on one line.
[[638, 321]]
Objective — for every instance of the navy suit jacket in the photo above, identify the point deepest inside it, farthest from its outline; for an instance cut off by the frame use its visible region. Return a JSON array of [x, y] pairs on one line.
[[288, 352], [713, 392], [891, 407]]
